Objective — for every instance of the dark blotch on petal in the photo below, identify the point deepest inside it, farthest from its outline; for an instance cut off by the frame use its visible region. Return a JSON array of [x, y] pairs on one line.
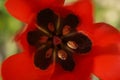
[[33, 37], [67, 64], [40, 59], [45, 17], [68, 24], [83, 42], [71, 20]]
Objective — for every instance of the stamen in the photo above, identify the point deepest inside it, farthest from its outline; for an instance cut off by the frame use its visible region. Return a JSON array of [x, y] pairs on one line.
[[57, 39], [51, 27], [58, 23], [43, 39], [49, 53], [72, 44], [43, 30], [66, 29], [62, 55]]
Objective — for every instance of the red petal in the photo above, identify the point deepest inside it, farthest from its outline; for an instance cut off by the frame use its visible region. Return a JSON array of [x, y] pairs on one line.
[[83, 9], [20, 67], [106, 51], [105, 34], [107, 67], [82, 71], [24, 10]]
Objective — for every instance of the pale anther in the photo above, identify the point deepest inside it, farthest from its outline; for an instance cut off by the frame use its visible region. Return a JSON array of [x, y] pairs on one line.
[[62, 55], [66, 29], [72, 44], [49, 53]]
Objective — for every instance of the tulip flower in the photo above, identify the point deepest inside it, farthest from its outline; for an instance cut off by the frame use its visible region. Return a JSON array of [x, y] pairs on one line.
[[62, 42]]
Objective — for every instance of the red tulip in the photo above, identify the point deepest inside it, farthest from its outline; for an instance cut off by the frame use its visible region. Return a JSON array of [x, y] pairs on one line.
[[61, 42]]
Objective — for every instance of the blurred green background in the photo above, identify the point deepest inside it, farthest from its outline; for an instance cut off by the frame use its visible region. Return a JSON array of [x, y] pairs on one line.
[[104, 11]]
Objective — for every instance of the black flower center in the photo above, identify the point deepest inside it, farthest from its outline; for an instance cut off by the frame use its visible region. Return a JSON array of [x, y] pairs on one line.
[[56, 39]]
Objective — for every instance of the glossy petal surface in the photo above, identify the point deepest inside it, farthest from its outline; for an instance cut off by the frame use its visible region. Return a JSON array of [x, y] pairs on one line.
[[106, 52], [19, 67], [83, 9], [24, 10], [82, 71]]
